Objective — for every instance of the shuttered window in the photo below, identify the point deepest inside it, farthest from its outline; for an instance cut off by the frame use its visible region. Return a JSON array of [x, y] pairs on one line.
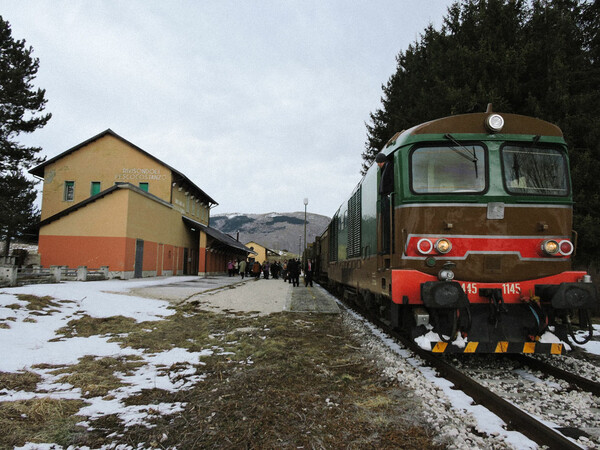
[[354, 222], [95, 188], [69, 193]]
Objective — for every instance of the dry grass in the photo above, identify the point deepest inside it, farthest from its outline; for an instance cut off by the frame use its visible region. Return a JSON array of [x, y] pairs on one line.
[[19, 381], [39, 420], [35, 303], [95, 376], [280, 381]]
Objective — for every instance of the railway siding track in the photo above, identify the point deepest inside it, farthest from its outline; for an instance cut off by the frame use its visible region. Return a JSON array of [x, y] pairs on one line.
[[576, 380], [510, 412]]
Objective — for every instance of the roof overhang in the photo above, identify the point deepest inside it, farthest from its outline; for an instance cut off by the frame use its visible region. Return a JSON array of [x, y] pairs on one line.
[[222, 238]]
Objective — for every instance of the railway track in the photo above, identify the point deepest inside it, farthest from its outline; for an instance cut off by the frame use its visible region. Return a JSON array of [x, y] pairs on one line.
[[514, 416]]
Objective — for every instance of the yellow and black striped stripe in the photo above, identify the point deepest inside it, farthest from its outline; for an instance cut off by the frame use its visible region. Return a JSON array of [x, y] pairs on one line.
[[499, 347]]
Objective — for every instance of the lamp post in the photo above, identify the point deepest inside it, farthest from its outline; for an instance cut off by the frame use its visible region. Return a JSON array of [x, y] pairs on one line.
[[304, 252]]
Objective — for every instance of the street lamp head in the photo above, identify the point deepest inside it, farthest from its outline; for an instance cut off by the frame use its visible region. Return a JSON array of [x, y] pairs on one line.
[[305, 201]]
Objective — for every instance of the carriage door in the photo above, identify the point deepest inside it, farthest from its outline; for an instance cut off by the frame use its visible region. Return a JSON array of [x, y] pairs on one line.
[[385, 208], [139, 259]]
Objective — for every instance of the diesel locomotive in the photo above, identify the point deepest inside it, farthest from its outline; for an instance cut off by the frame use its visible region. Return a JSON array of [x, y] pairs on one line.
[[462, 237]]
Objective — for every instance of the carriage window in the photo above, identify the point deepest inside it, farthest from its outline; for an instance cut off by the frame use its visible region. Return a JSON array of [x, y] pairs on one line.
[[535, 171], [448, 169]]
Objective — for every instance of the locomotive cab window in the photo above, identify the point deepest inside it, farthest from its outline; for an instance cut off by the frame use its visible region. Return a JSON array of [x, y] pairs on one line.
[[449, 169], [535, 171]]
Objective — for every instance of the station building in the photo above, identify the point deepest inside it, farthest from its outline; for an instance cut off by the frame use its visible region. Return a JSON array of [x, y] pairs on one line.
[[107, 202], [262, 253]]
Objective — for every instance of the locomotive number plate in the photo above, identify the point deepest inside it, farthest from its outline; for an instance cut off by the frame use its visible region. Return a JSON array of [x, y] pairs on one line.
[[507, 288], [511, 288], [469, 288]]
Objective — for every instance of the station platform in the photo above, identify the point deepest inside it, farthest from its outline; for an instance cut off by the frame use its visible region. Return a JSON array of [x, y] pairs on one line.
[[310, 299], [223, 293]]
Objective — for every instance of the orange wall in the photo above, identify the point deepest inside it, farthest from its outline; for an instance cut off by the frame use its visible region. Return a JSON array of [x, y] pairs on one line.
[[116, 252], [104, 233], [91, 251]]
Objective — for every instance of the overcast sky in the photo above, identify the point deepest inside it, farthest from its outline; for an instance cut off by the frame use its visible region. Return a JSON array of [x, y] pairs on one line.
[[260, 103]]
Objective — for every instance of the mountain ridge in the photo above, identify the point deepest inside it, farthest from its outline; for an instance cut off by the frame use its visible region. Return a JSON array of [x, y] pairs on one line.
[[276, 231]]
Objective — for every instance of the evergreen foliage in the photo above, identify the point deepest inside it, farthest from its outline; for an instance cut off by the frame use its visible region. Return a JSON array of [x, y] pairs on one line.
[[21, 107], [539, 58]]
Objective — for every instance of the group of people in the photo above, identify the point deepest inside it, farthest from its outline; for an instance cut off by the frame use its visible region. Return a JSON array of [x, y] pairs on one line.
[[289, 270]]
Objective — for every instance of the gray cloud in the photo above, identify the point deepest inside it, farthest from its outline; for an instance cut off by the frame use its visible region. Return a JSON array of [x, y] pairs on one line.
[[260, 103]]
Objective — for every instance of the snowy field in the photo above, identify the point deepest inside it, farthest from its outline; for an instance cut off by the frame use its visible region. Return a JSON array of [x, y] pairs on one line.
[[30, 339]]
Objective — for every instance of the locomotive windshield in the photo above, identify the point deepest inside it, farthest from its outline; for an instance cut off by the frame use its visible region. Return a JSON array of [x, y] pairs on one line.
[[448, 169], [535, 171]]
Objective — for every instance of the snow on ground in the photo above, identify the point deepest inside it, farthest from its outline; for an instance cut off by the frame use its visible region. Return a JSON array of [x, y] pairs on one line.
[[29, 341], [484, 420], [453, 429]]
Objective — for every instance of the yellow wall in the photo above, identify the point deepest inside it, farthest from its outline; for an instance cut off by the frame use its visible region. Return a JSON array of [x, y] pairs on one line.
[[105, 217], [153, 221], [107, 160], [124, 213], [262, 251], [187, 204]]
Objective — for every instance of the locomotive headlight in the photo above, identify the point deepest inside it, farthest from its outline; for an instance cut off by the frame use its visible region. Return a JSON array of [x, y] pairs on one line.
[[443, 246], [550, 247], [494, 122], [424, 246], [565, 248], [445, 275]]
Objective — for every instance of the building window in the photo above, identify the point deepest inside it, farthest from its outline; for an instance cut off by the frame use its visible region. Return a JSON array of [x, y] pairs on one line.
[[95, 188], [69, 194], [144, 186]]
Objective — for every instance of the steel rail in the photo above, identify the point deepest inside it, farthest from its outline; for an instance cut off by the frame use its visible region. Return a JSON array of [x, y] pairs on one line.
[[582, 383], [512, 415], [515, 418]]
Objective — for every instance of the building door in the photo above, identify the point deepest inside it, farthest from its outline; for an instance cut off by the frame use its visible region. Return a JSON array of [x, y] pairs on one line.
[[139, 259], [160, 259], [185, 261]]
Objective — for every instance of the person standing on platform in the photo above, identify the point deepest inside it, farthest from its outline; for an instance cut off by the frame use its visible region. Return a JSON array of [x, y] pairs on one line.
[[256, 270], [265, 269], [275, 268], [309, 268], [298, 270], [284, 270], [290, 266], [243, 268], [230, 267], [294, 269]]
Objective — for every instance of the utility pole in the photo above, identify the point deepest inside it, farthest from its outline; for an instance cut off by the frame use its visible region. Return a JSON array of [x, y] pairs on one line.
[[304, 252]]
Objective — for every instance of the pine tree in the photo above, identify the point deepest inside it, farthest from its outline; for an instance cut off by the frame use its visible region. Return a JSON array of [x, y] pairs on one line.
[[536, 57], [21, 107], [17, 209]]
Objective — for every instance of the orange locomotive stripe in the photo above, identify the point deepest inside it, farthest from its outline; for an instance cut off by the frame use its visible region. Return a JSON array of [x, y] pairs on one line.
[[501, 347], [556, 349], [471, 347], [439, 347], [529, 347]]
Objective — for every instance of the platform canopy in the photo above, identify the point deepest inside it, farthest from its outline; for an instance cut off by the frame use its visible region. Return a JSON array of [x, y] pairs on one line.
[[219, 240]]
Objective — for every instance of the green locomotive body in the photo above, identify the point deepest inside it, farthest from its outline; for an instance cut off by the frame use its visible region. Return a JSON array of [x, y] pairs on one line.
[[480, 237]]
